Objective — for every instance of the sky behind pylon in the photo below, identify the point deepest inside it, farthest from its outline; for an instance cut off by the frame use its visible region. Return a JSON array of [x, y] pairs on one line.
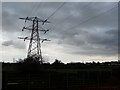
[[80, 31]]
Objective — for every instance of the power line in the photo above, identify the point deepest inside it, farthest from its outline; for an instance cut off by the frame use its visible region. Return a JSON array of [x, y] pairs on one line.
[[31, 11], [36, 9], [92, 18], [71, 15], [56, 11]]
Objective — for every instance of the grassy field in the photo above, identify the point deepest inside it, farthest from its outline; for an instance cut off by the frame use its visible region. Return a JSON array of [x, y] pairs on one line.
[[60, 77]]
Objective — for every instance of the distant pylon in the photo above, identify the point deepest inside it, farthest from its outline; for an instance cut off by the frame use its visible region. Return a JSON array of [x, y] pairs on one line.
[[34, 49]]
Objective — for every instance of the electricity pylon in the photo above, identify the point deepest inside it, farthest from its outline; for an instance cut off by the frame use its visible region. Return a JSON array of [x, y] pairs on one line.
[[34, 49]]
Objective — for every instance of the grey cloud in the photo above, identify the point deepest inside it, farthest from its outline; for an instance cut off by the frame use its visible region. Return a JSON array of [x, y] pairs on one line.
[[7, 43], [83, 39], [92, 44], [15, 44]]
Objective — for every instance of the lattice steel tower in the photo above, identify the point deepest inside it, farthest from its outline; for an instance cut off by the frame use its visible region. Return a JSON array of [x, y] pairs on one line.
[[34, 49]]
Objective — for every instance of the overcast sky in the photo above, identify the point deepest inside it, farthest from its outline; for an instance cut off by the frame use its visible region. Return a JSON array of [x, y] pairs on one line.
[[80, 31]]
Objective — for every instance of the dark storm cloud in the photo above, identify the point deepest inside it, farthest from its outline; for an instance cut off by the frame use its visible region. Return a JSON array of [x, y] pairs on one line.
[[97, 36], [14, 44], [92, 44], [7, 43]]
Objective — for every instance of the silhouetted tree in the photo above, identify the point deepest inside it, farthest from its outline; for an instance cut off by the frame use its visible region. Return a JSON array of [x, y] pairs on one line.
[[57, 62], [29, 60]]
